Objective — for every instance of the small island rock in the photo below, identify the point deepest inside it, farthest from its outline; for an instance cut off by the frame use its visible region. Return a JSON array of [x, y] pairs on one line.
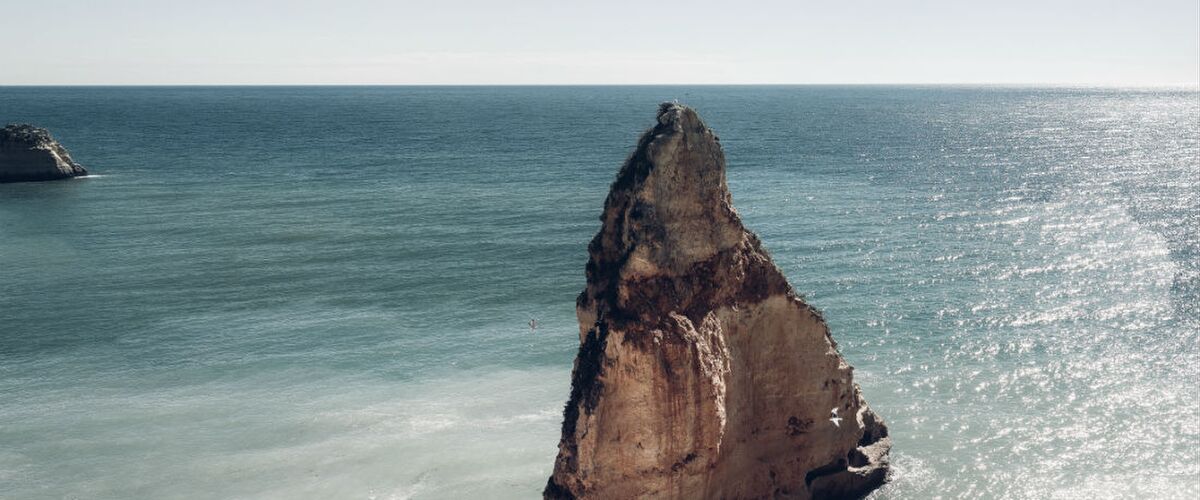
[[29, 153]]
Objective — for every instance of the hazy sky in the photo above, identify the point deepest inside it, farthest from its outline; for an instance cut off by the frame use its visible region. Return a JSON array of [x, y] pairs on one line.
[[1131, 42]]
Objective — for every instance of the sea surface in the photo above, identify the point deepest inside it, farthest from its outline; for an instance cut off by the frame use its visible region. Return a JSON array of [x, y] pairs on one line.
[[290, 292]]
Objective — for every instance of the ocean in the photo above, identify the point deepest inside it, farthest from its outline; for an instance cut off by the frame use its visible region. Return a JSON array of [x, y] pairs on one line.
[[324, 292]]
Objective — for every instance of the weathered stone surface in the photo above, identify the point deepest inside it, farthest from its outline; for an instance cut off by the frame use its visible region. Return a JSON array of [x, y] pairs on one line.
[[700, 373], [28, 153]]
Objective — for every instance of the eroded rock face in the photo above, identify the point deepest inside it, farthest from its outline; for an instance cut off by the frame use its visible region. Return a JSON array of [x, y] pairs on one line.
[[28, 153], [700, 373]]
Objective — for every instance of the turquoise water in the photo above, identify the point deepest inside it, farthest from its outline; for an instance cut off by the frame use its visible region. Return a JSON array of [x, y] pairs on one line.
[[324, 292]]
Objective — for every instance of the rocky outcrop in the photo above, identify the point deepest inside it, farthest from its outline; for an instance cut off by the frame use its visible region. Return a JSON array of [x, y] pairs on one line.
[[700, 372], [28, 153]]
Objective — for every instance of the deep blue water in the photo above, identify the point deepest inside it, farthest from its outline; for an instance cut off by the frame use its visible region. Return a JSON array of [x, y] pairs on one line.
[[324, 292]]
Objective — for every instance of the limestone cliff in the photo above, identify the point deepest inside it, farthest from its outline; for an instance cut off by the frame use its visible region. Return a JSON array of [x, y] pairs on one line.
[[28, 153], [700, 373]]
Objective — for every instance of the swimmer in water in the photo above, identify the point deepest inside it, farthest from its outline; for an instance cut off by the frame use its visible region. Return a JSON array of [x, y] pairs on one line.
[[532, 324]]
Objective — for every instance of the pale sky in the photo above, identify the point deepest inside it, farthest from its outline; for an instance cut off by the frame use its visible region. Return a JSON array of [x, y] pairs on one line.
[[145, 42]]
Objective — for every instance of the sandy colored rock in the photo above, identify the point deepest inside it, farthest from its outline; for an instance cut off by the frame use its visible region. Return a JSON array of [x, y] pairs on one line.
[[29, 153], [700, 373]]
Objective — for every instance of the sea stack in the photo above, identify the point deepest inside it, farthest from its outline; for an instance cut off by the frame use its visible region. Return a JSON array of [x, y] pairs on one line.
[[700, 372], [29, 153]]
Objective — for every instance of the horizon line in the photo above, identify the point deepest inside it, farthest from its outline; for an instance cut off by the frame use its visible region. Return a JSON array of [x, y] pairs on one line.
[[1189, 85]]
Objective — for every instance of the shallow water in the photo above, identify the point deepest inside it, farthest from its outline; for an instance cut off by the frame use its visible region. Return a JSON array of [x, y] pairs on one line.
[[324, 292]]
